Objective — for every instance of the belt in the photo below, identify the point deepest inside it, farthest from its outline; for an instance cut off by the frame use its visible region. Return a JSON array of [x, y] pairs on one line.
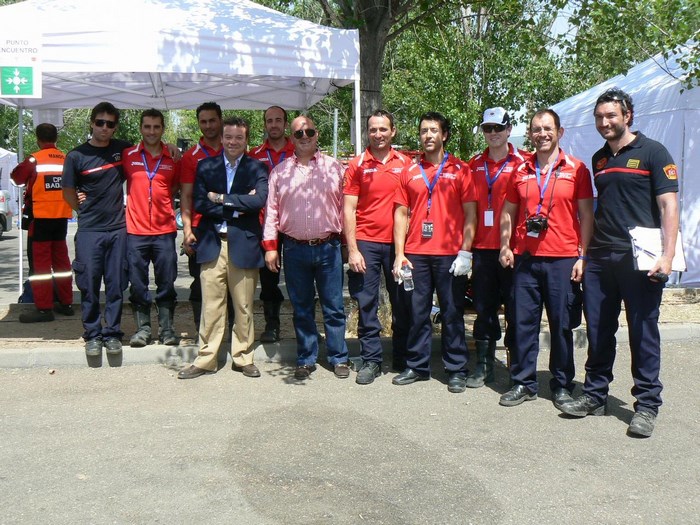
[[223, 236], [314, 242]]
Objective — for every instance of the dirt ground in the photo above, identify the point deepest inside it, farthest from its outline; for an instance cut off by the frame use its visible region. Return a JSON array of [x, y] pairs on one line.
[[678, 306]]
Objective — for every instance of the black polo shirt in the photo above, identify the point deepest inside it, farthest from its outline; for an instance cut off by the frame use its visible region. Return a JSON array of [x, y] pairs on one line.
[[628, 184]]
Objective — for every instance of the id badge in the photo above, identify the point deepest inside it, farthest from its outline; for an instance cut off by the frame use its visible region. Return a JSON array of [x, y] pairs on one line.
[[534, 235], [488, 217], [427, 231]]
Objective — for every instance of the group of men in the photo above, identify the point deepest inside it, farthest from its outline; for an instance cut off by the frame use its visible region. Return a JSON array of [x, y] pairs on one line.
[[522, 224]]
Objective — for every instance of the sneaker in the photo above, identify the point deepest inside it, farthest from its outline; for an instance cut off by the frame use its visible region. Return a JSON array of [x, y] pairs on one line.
[[642, 424], [64, 309], [367, 372], [93, 347], [113, 346], [36, 316], [584, 405]]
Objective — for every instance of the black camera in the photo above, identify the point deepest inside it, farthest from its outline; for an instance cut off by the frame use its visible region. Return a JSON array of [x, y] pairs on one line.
[[536, 223]]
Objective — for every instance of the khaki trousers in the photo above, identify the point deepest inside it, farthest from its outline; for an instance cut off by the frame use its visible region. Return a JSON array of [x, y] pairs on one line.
[[218, 278]]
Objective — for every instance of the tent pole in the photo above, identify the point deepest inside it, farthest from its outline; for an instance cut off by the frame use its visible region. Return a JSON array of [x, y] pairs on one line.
[[358, 119], [20, 158], [335, 133]]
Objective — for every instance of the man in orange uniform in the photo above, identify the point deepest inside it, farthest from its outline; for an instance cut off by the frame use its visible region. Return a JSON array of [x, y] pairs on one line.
[[491, 283], [273, 151], [151, 175], [42, 172]]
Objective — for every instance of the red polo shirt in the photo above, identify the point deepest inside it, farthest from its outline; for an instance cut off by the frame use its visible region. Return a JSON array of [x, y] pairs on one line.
[[188, 168], [374, 183], [269, 156]]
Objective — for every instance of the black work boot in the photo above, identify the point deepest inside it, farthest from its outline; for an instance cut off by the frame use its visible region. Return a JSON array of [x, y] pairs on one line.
[[142, 319], [272, 323], [166, 335], [483, 372]]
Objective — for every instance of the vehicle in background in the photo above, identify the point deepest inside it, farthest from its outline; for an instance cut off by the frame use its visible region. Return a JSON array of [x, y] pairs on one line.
[[5, 212]]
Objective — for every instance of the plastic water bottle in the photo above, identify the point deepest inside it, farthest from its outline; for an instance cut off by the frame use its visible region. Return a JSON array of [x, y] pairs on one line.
[[407, 277]]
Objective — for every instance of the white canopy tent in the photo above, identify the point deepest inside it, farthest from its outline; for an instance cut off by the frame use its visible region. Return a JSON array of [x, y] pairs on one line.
[[174, 54], [664, 110]]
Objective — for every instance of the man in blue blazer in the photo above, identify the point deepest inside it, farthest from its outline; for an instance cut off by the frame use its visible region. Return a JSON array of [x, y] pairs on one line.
[[229, 191]]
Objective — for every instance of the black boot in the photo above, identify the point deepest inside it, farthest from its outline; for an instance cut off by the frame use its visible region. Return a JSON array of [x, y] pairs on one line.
[[483, 373], [166, 335], [272, 323], [142, 319]]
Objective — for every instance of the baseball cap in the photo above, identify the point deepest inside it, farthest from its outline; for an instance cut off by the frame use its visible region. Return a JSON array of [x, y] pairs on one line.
[[496, 116]]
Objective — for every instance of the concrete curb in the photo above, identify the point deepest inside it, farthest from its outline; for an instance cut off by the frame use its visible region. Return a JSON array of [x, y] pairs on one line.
[[283, 351]]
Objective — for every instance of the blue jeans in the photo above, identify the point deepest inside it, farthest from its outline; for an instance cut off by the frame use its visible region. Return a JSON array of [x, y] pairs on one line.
[[321, 265]]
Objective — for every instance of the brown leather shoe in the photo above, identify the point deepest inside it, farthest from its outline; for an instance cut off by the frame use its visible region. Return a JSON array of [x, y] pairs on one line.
[[191, 372], [341, 371], [303, 372], [247, 370]]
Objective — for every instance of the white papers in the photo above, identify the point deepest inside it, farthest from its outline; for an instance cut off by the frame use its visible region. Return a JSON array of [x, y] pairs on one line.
[[647, 247]]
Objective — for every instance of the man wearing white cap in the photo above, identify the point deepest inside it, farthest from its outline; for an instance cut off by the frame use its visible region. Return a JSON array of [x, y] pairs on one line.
[[491, 283]]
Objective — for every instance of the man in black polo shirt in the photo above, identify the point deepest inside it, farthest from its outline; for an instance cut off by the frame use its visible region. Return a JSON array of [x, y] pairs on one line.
[[94, 170], [637, 183]]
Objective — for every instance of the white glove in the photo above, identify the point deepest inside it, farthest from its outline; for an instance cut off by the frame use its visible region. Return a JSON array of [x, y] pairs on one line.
[[462, 265]]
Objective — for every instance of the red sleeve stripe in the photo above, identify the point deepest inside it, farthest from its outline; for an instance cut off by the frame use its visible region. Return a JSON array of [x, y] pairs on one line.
[[645, 173], [102, 168]]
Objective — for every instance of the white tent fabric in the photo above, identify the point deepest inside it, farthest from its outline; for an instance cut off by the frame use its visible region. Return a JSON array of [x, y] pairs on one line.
[[664, 110], [172, 54]]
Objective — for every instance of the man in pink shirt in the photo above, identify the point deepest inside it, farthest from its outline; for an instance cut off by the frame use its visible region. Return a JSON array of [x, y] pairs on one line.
[[305, 203]]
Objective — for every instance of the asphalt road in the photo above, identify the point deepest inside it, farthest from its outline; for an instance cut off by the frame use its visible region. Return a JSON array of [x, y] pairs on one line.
[[136, 445]]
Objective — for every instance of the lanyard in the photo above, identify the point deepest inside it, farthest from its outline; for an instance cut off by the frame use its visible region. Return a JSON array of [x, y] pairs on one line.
[[546, 183], [489, 181], [151, 174], [431, 185], [269, 157]]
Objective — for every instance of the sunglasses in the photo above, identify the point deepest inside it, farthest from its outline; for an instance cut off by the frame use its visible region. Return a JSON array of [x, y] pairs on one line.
[[101, 123], [300, 133], [490, 128]]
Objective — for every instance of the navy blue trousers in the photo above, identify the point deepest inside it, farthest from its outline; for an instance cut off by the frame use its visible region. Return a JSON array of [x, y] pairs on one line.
[[537, 282], [491, 284], [364, 288], [160, 250], [101, 256], [610, 279], [431, 274]]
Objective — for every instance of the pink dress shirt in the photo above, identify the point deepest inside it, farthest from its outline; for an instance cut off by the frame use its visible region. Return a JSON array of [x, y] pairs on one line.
[[304, 202]]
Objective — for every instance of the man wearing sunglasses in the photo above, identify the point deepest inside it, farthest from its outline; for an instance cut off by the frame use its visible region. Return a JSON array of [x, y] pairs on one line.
[[305, 204], [637, 183], [491, 283], [94, 169], [370, 183], [274, 150]]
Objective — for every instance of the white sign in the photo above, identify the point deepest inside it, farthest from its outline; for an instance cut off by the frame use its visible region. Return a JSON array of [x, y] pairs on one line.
[[20, 66]]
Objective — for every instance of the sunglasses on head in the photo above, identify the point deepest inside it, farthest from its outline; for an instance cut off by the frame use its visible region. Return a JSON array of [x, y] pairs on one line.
[[101, 123], [300, 133], [490, 128]]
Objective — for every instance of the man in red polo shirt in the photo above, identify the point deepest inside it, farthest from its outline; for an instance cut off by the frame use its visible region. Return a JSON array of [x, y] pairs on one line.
[[549, 212], [491, 283], [151, 177], [368, 208], [272, 152], [209, 118], [435, 244]]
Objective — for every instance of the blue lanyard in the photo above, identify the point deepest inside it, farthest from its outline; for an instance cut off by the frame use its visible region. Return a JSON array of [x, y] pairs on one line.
[[489, 181], [431, 185], [269, 157], [546, 183], [151, 174]]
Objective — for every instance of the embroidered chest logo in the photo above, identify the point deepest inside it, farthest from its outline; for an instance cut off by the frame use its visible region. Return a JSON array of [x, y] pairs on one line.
[[633, 163]]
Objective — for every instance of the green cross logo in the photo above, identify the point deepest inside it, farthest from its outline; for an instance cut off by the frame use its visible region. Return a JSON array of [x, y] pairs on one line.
[[16, 81]]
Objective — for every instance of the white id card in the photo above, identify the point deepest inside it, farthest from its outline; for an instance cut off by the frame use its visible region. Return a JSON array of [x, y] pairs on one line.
[[488, 217]]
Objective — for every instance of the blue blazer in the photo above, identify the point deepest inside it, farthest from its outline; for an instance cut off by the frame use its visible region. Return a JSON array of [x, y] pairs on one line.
[[244, 232]]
